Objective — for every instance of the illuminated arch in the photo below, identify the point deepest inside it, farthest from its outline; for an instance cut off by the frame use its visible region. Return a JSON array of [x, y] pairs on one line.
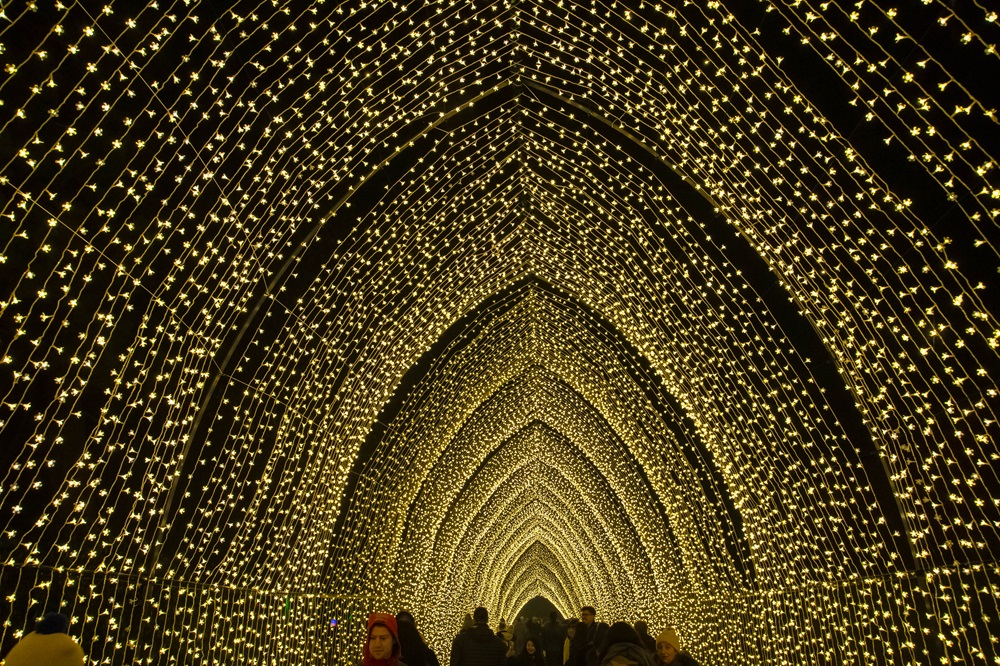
[[205, 310]]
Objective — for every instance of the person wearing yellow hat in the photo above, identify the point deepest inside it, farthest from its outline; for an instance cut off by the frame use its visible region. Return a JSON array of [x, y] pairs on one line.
[[48, 644], [668, 650]]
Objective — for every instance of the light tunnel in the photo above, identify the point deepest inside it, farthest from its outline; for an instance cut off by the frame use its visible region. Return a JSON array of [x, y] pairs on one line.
[[683, 310]]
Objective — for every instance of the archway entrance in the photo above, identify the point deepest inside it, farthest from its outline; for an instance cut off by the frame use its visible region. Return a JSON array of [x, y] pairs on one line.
[[539, 607]]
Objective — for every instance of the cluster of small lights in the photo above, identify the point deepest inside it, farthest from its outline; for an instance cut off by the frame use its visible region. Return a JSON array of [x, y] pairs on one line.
[[682, 310]]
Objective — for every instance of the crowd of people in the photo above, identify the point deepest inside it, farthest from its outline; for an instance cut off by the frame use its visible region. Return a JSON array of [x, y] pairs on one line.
[[395, 641]]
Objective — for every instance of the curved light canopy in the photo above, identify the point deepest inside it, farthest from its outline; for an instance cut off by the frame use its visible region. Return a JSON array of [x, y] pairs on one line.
[[686, 311]]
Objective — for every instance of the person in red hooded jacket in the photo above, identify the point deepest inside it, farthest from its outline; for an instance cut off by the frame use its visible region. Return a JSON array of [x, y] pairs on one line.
[[382, 645]]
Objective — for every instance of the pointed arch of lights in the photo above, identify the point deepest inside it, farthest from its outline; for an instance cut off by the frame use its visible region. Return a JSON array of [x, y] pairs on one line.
[[228, 235]]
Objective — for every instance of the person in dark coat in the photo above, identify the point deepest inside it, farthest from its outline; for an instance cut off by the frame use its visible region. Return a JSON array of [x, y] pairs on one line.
[[382, 645], [531, 655], [668, 650], [535, 629], [570, 646], [622, 647], [590, 635], [504, 632], [415, 652], [553, 635], [648, 641], [520, 631], [478, 646]]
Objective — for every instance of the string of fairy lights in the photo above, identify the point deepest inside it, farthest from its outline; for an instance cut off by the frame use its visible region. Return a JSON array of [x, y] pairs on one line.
[[681, 310]]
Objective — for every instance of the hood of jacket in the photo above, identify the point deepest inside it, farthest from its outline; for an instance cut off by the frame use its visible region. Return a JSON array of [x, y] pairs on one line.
[[627, 654], [389, 622]]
